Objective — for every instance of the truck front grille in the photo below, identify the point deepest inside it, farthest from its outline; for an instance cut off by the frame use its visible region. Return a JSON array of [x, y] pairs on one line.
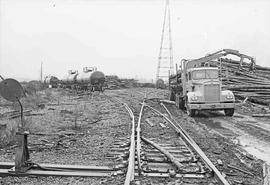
[[212, 93]]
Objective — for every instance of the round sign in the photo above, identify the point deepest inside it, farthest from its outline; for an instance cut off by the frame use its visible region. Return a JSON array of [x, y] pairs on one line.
[[11, 90]]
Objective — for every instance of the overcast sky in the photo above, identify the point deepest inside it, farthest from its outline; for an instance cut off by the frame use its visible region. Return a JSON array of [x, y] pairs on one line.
[[122, 37]]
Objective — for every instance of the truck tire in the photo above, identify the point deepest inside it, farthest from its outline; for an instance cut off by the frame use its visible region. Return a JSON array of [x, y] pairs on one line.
[[229, 112], [172, 96], [177, 101], [191, 112], [181, 103]]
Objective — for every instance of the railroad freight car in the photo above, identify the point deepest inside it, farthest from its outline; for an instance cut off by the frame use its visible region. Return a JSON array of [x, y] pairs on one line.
[[88, 79], [70, 80], [51, 81], [91, 79]]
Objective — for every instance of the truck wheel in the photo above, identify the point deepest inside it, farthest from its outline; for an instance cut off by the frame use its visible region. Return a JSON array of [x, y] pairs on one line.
[[181, 103], [229, 112], [191, 112], [172, 96], [177, 101]]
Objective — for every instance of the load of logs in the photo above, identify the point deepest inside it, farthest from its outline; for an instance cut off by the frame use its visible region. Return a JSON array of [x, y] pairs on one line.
[[246, 81]]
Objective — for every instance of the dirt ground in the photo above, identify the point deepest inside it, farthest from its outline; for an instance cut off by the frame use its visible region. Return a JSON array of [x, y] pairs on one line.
[[250, 133], [74, 129]]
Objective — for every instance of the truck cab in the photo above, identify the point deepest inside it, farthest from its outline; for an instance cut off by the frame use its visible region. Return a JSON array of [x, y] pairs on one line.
[[200, 89]]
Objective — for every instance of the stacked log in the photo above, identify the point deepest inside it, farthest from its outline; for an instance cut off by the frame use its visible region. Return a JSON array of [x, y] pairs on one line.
[[246, 81], [114, 82]]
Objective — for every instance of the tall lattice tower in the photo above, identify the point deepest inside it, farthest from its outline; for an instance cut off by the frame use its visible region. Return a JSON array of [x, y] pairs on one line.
[[165, 58], [41, 72]]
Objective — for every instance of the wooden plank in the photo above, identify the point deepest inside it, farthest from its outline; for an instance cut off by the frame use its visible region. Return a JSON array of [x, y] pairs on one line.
[[149, 122], [260, 115], [165, 152], [177, 175], [162, 125], [241, 170], [8, 165], [5, 172], [168, 101]]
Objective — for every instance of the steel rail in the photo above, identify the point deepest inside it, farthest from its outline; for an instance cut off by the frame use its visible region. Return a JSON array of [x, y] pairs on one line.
[[196, 148], [138, 148], [169, 113], [131, 161]]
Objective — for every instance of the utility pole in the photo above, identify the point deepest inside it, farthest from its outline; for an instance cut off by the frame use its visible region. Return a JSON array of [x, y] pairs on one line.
[[165, 58], [41, 72]]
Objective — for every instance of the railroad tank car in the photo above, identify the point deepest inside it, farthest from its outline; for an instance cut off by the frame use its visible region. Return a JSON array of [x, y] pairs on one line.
[[70, 80], [160, 84], [51, 81], [97, 80], [91, 79]]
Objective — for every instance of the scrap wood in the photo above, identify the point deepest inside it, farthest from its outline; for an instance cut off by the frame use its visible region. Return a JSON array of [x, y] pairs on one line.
[[97, 120], [149, 122], [260, 115], [241, 170], [61, 133], [162, 125], [35, 114], [219, 162], [58, 104], [245, 100], [167, 101], [114, 82], [16, 115], [165, 152], [238, 181]]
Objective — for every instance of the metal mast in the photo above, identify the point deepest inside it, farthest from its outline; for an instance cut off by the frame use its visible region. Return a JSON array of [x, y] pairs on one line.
[[165, 58], [41, 72]]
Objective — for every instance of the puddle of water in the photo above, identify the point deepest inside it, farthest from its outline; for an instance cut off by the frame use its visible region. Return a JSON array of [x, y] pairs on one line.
[[253, 121], [255, 147], [210, 123]]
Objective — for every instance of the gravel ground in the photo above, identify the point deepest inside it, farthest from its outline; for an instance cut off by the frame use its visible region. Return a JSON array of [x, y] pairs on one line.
[[164, 135], [221, 148], [100, 121], [55, 140]]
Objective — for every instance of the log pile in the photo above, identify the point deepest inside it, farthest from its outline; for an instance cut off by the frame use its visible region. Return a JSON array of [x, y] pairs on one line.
[[246, 81], [114, 82]]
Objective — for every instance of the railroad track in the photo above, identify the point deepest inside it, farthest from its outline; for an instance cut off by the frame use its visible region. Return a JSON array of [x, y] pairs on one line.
[[151, 157], [154, 157], [139, 155]]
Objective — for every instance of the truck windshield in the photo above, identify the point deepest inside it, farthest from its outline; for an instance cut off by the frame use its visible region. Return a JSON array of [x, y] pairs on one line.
[[205, 74]]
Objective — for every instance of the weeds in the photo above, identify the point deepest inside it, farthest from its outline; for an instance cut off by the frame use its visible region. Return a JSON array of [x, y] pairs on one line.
[[8, 132]]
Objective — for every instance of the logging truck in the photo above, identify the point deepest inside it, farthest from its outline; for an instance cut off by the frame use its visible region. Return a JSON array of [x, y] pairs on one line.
[[197, 86]]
